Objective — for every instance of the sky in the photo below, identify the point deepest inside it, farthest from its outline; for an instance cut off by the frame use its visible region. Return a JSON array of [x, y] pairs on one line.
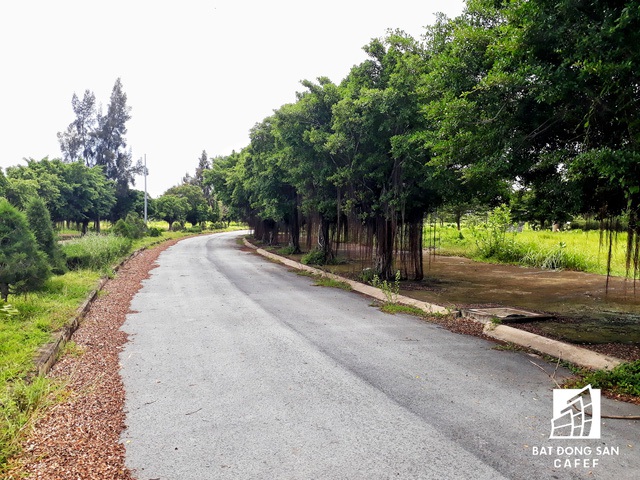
[[197, 74]]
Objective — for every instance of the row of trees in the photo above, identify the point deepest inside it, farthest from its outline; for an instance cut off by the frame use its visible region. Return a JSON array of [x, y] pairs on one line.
[[193, 200], [72, 192], [533, 102]]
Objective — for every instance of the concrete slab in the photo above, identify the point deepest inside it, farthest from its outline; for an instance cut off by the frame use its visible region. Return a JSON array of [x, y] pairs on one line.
[[504, 314]]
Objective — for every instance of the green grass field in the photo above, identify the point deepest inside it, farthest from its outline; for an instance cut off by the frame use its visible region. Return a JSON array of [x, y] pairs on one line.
[[572, 249]]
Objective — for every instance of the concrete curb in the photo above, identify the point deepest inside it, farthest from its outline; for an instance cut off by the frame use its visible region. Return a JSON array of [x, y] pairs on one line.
[[356, 286], [47, 354], [564, 351]]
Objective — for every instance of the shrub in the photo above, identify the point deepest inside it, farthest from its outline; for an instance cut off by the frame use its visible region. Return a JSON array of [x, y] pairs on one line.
[[194, 229], [491, 236], [96, 251], [288, 250], [40, 223], [390, 290], [154, 232], [367, 275], [625, 378], [314, 257], [132, 227], [22, 266]]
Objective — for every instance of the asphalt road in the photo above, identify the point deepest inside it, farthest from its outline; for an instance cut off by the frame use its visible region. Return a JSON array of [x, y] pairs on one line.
[[238, 368]]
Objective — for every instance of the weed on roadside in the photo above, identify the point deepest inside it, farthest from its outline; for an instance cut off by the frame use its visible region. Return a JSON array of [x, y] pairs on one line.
[[623, 379], [391, 290], [394, 308], [330, 282]]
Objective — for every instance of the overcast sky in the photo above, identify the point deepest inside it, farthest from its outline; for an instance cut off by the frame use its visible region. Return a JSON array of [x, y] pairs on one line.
[[198, 74]]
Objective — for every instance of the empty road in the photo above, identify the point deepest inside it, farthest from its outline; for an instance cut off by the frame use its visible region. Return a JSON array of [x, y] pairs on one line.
[[237, 368]]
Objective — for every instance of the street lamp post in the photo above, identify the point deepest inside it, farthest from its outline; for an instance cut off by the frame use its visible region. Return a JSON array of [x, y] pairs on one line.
[[145, 189]]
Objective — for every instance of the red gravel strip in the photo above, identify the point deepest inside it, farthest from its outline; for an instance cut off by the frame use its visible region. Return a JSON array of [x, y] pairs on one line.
[[80, 438]]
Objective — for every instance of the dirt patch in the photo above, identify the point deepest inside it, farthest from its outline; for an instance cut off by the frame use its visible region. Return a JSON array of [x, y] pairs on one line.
[[586, 312]]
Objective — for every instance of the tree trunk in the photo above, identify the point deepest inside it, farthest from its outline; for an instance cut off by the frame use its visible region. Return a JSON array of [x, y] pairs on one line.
[[384, 249], [4, 291], [294, 229], [324, 240]]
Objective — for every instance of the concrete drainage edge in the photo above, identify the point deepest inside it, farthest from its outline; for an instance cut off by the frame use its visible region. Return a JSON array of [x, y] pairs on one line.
[[563, 351], [47, 354], [356, 286]]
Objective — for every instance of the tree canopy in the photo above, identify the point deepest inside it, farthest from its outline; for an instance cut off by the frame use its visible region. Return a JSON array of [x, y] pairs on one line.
[[533, 103]]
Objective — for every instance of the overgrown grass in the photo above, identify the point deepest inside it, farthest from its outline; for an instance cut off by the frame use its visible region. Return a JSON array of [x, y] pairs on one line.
[[330, 282], [95, 252], [573, 249], [394, 308]]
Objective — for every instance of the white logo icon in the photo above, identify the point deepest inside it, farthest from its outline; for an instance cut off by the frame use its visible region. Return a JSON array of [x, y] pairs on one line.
[[576, 413]]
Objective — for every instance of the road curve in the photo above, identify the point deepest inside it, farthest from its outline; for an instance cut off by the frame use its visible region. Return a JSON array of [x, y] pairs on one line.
[[237, 368]]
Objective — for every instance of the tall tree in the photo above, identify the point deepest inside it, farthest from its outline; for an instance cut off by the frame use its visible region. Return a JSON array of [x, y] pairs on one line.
[[78, 141], [111, 145], [171, 209], [203, 165], [197, 207]]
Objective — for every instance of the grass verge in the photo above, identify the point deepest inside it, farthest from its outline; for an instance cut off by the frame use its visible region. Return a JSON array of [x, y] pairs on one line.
[[330, 282]]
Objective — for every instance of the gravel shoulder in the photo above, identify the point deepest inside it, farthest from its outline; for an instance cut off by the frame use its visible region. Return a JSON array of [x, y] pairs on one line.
[[80, 437]]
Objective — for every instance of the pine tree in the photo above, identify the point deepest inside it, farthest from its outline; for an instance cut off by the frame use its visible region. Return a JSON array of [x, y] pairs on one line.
[[22, 266], [40, 223]]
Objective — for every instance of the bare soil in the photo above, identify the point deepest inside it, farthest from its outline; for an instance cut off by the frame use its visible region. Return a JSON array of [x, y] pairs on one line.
[[587, 312], [606, 320]]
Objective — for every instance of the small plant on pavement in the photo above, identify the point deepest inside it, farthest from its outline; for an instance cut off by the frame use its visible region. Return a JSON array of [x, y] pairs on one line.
[[391, 290]]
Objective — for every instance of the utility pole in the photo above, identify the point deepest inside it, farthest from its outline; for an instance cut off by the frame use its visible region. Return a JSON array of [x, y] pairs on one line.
[[145, 189]]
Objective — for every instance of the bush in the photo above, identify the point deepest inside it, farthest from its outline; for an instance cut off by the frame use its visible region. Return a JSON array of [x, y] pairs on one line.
[[96, 252], [625, 378], [40, 223], [314, 257], [194, 229], [154, 232], [288, 250], [132, 227], [491, 236]]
